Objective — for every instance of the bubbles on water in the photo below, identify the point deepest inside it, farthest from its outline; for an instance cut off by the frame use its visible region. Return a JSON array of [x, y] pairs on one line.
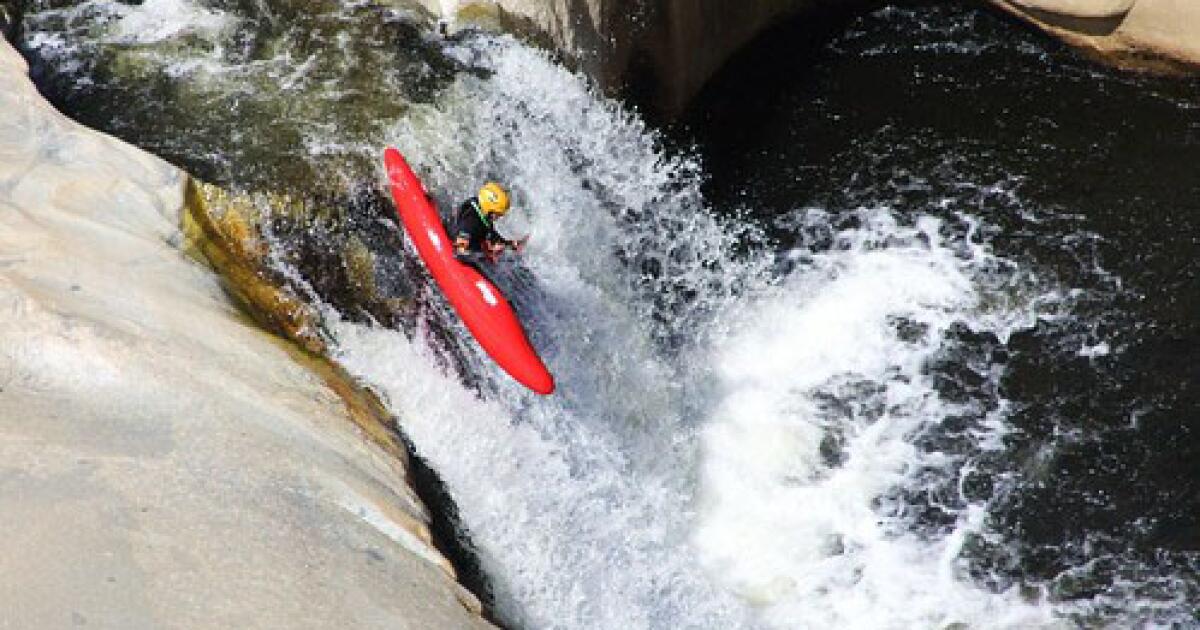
[[593, 532], [273, 96], [73, 37], [824, 393], [624, 215], [741, 438], [155, 21], [775, 404]]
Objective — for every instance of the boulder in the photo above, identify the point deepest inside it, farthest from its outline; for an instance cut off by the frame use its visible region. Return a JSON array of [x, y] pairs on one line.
[[1157, 35], [1079, 8], [164, 462]]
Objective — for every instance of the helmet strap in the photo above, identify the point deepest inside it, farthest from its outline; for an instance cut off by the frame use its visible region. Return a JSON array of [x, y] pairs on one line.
[[479, 211]]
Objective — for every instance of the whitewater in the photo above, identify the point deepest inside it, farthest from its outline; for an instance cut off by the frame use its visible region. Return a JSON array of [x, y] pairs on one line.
[[682, 475], [739, 420]]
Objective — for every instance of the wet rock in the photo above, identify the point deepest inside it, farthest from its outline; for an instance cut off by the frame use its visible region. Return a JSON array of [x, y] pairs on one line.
[[360, 266], [10, 18], [163, 464], [224, 229], [1156, 35], [329, 250]]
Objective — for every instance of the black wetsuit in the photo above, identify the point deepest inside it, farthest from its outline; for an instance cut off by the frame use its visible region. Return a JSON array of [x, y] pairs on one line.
[[471, 223]]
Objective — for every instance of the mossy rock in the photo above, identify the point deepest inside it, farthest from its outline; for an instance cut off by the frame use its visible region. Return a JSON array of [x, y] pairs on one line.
[[223, 230], [279, 255], [360, 267]]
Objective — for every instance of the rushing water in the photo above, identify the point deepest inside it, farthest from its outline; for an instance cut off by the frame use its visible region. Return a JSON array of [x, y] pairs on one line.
[[908, 349], [1084, 177]]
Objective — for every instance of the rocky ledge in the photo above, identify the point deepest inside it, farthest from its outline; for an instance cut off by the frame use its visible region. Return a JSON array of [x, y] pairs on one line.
[[1157, 35], [165, 462]]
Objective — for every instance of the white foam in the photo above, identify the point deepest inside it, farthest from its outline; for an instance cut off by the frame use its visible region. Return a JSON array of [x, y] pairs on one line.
[[155, 21], [584, 504], [576, 501], [178, 37], [572, 535], [681, 484], [1092, 351], [803, 537]]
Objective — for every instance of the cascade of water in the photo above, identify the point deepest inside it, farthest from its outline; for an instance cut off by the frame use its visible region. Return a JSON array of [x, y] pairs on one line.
[[687, 449], [737, 435]]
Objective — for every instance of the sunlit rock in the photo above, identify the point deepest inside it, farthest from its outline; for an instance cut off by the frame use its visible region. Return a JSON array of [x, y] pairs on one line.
[[1160, 35], [1080, 8], [163, 462]]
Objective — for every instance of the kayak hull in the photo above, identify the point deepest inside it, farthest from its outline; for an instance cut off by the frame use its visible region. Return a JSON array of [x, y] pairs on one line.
[[480, 305]]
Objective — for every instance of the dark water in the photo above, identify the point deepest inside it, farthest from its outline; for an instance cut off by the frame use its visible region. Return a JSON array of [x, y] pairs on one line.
[[1088, 177]]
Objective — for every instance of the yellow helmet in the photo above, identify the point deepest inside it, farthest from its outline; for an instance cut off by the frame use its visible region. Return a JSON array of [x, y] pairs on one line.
[[493, 199]]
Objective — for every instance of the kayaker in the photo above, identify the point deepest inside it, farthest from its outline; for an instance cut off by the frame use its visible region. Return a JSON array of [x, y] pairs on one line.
[[475, 228]]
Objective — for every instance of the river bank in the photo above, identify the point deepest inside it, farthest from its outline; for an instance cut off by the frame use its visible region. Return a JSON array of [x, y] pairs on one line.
[[166, 463]]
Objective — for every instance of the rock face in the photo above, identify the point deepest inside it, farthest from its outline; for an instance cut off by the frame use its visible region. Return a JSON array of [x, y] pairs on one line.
[[1080, 8], [163, 462], [669, 47], [1159, 35]]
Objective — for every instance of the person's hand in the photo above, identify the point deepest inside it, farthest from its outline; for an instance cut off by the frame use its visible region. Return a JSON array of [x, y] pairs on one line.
[[518, 245]]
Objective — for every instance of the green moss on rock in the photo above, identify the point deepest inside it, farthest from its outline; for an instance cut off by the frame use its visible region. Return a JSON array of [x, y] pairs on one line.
[[223, 230]]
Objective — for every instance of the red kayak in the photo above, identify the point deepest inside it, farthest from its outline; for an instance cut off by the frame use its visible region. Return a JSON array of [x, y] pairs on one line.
[[478, 302]]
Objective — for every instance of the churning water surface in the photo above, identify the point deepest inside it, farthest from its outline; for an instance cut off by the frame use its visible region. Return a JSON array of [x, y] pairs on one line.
[[876, 362]]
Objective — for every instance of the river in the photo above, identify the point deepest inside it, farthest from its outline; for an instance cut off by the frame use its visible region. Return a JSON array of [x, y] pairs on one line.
[[893, 330]]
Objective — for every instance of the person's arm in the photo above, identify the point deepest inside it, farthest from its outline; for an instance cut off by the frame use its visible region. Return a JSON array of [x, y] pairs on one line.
[[496, 244], [462, 234]]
